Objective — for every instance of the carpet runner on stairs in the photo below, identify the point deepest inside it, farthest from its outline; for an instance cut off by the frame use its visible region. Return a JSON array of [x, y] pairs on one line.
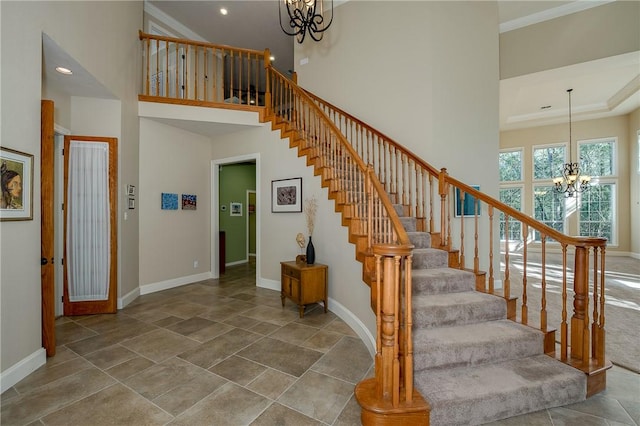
[[472, 364]]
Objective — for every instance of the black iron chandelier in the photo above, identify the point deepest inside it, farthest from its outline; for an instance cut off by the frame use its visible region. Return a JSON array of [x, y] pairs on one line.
[[571, 182], [304, 16]]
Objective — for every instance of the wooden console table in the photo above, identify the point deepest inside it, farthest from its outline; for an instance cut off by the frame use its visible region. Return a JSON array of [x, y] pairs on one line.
[[304, 284]]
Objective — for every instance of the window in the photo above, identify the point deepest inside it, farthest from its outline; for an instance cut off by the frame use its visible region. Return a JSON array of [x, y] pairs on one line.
[[510, 163], [511, 196], [548, 161], [597, 212], [548, 207]]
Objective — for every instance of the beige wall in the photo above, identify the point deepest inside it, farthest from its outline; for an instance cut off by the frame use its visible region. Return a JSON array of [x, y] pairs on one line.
[[61, 105], [634, 186], [101, 36], [600, 32], [174, 161], [617, 127]]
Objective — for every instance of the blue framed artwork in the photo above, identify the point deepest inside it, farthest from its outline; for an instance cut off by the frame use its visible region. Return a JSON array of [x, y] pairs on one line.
[[469, 202], [169, 201], [189, 202]]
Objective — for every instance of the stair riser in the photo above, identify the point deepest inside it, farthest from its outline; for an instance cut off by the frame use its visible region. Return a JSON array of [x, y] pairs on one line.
[[453, 314], [441, 280]]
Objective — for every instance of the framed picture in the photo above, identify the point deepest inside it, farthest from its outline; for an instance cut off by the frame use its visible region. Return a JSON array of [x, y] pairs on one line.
[[131, 190], [132, 203], [189, 202], [235, 209], [286, 195], [16, 200], [469, 203], [169, 201]]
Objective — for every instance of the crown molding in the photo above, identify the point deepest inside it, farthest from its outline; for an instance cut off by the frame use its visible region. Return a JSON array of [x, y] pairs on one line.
[[546, 15], [156, 13]]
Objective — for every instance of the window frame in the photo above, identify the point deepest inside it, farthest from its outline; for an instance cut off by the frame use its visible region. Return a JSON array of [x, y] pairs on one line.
[[614, 154], [507, 150], [512, 185], [563, 145]]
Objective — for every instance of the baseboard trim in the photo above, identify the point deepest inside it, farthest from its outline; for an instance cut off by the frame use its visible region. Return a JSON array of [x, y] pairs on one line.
[[22, 369], [176, 282], [343, 313], [635, 255], [128, 298], [237, 262]]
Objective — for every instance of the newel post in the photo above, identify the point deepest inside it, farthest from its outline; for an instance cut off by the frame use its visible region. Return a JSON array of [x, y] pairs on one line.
[[579, 320], [443, 190]]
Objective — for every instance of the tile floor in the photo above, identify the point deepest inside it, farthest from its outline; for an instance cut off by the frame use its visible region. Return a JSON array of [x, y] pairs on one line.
[[224, 352]]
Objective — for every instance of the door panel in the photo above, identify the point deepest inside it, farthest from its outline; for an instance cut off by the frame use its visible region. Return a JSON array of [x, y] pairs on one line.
[[109, 305]]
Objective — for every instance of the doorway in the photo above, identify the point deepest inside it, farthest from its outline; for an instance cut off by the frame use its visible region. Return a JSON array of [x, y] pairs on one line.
[[251, 223], [218, 208]]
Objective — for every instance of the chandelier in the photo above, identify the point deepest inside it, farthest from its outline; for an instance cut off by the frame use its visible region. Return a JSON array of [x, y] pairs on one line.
[[304, 16], [571, 182]]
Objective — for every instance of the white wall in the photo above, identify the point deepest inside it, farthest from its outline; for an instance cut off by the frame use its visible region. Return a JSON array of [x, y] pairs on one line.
[[102, 37], [174, 161]]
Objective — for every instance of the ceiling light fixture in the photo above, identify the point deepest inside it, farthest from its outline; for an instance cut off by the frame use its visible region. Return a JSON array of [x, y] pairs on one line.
[[224, 11], [571, 182], [304, 16], [63, 70]]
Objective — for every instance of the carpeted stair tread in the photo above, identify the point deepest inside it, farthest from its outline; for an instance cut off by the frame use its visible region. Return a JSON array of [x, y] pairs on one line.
[[481, 394], [449, 309], [420, 239], [409, 223], [425, 258], [442, 280], [474, 344]]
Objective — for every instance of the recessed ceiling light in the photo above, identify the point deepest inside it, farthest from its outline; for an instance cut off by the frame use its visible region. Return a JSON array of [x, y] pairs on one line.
[[63, 70], [223, 11], [272, 58]]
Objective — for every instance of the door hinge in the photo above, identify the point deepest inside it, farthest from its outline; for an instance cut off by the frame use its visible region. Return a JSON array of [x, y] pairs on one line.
[[62, 206], [62, 299], [62, 151]]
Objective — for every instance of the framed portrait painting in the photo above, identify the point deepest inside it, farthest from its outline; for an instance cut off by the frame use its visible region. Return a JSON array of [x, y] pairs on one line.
[[16, 201], [286, 195]]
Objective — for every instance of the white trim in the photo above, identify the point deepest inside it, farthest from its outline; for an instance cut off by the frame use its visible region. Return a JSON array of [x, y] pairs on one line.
[[156, 13], [176, 282], [633, 255], [546, 15], [62, 130], [343, 313], [237, 262], [128, 298], [22, 369]]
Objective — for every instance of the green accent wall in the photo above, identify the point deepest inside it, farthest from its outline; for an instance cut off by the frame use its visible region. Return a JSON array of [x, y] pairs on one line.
[[235, 180]]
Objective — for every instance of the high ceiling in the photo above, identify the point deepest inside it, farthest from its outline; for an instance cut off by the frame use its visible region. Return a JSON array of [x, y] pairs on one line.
[[606, 87]]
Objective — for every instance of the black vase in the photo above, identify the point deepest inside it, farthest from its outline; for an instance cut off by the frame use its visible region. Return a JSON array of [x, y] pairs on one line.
[[311, 252]]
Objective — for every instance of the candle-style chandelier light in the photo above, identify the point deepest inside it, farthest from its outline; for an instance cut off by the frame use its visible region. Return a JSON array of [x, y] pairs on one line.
[[571, 182], [304, 16]]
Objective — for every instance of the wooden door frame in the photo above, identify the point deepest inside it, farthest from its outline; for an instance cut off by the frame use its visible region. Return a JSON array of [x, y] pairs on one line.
[[110, 305], [47, 279]]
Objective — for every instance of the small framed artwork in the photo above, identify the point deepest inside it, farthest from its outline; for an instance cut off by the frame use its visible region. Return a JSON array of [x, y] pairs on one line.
[[131, 190], [189, 202], [169, 201], [132, 203], [286, 195], [469, 203], [16, 200], [235, 209]]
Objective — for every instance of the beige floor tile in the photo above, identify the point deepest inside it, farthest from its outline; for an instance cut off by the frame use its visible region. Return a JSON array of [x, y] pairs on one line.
[[272, 315], [115, 405], [278, 414], [212, 352], [129, 368], [282, 356], [111, 356], [240, 321], [50, 373], [322, 341], [159, 344], [350, 415], [264, 328], [53, 396], [162, 378], [70, 331], [339, 326], [238, 370], [117, 335], [230, 405], [186, 395], [318, 396], [271, 383], [348, 360], [183, 309], [294, 333]]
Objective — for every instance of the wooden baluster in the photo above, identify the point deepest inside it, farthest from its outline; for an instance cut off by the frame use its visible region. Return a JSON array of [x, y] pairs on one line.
[[177, 70], [507, 279], [476, 258], [525, 306], [442, 191], [166, 74], [195, 72], [157, 67], [564, 327], [396, 331], [491, 277], [378, 360], [450, 201], [594, 325], [580, 303], [543, 302], [148, 77], [462, 259], [186, 72], [431, 224], [600, 350], [408, 362]]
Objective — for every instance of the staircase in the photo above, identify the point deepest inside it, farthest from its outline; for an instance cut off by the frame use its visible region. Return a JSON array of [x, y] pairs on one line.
[[471, 363], [450, 348]]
